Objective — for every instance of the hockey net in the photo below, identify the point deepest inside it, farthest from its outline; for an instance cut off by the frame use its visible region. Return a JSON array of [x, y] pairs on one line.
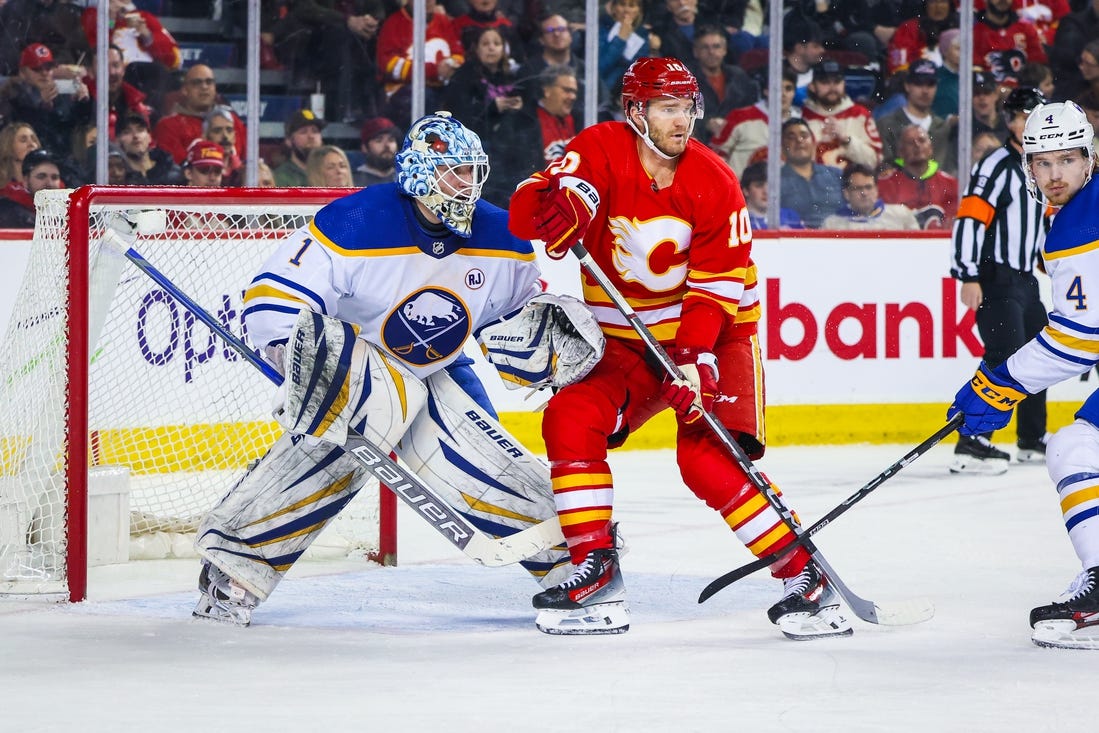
[[107, 381]]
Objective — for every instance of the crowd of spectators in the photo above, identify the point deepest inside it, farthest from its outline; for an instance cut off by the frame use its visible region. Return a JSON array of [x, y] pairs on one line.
[[870, 92]]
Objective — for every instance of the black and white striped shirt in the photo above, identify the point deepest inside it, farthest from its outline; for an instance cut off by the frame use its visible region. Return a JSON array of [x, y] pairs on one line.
[[998, 221]]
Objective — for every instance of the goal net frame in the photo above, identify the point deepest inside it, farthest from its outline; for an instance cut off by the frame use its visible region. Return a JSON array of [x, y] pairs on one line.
[[78, 449]]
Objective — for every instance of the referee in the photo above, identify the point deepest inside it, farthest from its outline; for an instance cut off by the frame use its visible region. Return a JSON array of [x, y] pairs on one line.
[[998, 235]]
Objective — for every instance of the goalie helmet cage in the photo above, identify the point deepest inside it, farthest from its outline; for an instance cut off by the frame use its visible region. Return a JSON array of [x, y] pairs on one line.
[[107, 381]]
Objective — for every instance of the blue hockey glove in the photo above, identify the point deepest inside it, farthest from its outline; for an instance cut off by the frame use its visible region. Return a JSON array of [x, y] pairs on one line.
[[987, 400]]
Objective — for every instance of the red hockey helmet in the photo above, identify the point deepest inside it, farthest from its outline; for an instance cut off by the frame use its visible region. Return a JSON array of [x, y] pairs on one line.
[[650, 78]]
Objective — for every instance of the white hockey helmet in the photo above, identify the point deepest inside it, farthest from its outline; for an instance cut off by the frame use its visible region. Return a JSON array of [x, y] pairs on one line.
[[435, 145], [1056, 126]]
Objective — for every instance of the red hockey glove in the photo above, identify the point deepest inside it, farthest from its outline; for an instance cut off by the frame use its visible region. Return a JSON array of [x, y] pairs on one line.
[[695, 392], [562, 221]]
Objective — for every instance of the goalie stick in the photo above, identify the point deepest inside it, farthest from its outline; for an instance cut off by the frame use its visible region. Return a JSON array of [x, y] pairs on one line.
[[406, 485], [761, 562], [902, 613]]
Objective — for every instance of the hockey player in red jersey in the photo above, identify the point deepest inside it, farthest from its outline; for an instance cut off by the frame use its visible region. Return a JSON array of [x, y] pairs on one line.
[[666, 219]]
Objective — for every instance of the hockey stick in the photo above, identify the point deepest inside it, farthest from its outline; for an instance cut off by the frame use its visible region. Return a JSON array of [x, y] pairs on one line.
[[406, 485], [761, 562], [902, 614]]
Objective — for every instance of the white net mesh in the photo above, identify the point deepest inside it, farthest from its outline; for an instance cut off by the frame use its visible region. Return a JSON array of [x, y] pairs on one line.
[[176, 409]]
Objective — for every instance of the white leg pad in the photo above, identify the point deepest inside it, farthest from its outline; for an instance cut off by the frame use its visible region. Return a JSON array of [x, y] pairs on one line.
[[272, 515], [482, 471]]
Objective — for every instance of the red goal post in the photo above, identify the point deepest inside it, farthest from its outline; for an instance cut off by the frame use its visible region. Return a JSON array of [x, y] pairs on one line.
[[115, 400]]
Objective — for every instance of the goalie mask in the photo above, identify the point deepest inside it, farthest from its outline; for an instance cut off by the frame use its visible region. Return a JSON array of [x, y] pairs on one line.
[[443, 166], [652, 78], [1055, 127]]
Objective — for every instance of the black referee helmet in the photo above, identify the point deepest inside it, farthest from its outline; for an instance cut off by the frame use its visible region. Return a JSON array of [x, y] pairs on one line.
[[1022, 99]]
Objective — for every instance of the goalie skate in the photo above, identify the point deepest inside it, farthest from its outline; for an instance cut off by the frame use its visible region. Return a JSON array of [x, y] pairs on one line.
[[809, 608], [1073, 623], [591, 601], [222, 599]]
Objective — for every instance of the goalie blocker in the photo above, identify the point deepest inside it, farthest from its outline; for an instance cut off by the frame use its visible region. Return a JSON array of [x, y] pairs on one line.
[[336, 381]]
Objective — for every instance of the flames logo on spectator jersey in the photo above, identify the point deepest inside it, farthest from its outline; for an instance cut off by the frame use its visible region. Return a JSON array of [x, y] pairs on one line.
[[428, 326]]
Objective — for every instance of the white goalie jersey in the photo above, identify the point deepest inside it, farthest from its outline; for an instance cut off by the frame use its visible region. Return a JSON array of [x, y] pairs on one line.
[[363, 260]]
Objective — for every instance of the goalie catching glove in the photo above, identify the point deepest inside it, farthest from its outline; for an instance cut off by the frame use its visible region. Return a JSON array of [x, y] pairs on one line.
[[553, 340], [987, 400], [695, 392]]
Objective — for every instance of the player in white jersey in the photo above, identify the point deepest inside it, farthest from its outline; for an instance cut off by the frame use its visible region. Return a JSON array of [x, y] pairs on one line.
[[374, 300], [1060, 160]]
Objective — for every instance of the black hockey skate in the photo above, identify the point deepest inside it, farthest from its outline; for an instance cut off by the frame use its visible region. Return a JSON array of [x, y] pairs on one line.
[[809, 608], [222, 599], [1072, 623], [591, 601], [1031, 451], [975, 454]]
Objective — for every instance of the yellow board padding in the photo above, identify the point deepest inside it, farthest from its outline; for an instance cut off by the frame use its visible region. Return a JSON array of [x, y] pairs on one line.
[[183, 447], [907, 424]]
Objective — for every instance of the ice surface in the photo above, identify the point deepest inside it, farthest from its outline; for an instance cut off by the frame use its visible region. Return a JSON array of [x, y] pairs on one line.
[[440, 644]]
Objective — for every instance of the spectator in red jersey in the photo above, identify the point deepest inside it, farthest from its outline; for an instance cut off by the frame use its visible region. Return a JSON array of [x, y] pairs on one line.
[[918, 182], [124, 97], [845, 131], [198, 95], [444, 54], [1044, 15], [745, 131], [379, 141], [918, 38], [1003, 42], [149, 49], [724, 87]]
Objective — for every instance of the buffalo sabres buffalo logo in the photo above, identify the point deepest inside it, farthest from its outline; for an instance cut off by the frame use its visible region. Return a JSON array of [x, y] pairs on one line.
[[429, 325]]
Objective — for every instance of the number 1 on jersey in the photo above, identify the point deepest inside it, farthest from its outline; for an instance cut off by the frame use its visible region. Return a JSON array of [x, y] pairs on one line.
[[296, 259]]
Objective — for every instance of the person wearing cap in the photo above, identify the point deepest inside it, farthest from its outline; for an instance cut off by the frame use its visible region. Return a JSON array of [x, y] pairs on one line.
[[198, 95], [920, 83], [148, 165], [34, 96], [845, 131], [204, 164], [41, 170], [379, 140], [303, 134]]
